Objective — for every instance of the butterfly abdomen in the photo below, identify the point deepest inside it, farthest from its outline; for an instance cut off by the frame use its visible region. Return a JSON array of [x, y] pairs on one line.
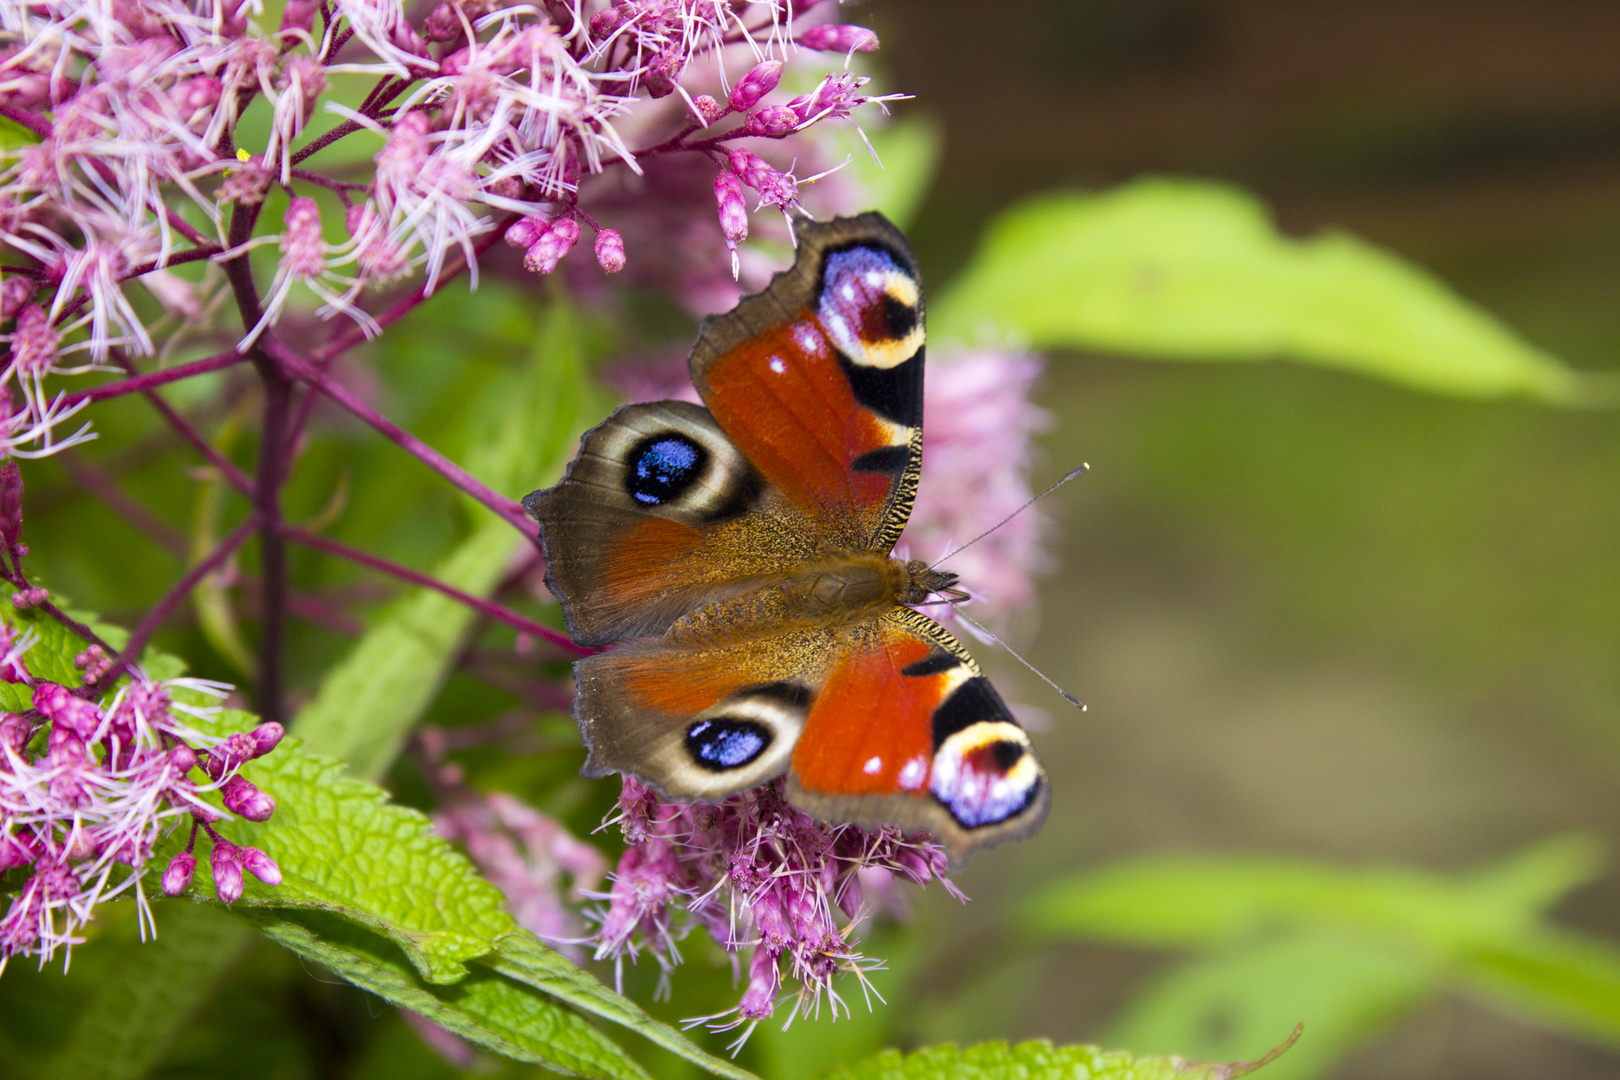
[[826, 592]]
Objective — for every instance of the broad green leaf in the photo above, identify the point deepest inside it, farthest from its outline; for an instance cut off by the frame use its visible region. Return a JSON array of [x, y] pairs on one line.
[[344, 848], [484, 1008], [1185, 902], [1038, 1060], [523, 958], [1563, 980], [1196, 271], [1345, 990], [139, 1006], [371, 700]]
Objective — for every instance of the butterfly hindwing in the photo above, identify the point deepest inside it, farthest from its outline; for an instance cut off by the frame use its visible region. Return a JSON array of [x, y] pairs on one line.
[[659, 513], [906, 730], [819, 378]]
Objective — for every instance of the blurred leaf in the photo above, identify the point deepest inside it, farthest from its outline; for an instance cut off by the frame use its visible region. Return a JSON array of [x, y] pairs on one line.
[[1223, 1006], [1192, 270], [485, 1009], [121, 1033], [1564, 981], [371, 700], [909, 151], [1038, 1060]]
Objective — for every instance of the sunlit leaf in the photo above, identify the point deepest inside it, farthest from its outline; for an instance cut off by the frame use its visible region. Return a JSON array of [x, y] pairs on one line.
[[1038, 1060], [1196, 271]]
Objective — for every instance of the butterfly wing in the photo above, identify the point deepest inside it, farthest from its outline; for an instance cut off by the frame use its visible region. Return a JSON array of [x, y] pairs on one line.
[[818, 379], [907, 731], [886, 721], [659, 514]]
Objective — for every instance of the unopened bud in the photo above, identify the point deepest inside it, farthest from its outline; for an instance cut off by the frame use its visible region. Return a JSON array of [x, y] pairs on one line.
[[733, 210], [241, 797], [708, 110], [265, 737], [663, 73], [183, 758], [299, 14], [525, 231], [15, 291], [831, 37], [772, 122], [177, 875], [225, 862], [759, 81], [261, 865], [610, 250], [556, 242]]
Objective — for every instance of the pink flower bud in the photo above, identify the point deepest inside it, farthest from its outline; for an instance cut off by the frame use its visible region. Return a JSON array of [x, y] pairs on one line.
[[772, 122], [664, 72], [225, 862], [525, 231], [266, 737], [553, 244], [610, 250], [15, 291], [442, 23], [261, 865], [29, 598], [831, 37], [183, 758], [65, 711], [15, 731], [728, 193], [177, 875], [609, 19], [242, 798], [708, 110], [11, 496], [759, 1000], [759, 81], [299, 14]]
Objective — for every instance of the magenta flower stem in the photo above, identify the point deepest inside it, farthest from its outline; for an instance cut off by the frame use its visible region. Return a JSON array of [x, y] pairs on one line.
[[177, 592], [145, 383], [405, 573], [34, 122], [227, 468], [418, 449]]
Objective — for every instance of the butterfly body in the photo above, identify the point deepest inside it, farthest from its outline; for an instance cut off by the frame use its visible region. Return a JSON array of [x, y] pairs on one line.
[[737, 558]]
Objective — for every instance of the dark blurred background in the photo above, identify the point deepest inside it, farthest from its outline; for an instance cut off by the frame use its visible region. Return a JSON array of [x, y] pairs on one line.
[[1311, 614]]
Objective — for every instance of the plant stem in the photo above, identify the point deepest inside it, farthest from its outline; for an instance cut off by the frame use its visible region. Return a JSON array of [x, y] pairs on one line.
[[159, 611], [508, 510], [405, 573], [227, 468], [144, 383]]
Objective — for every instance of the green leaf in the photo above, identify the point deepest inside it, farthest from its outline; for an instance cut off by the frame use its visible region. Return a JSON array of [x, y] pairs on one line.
[[139, 1006], [371, 700], [909, 151], [1565, 981], [1345, 990], [1038, 1060], [485, 1009], [344, 848], [1196, 271], [523, 958]]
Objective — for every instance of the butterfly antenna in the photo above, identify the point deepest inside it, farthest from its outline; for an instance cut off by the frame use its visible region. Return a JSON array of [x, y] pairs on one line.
[[1075, 474], [1070, 698]]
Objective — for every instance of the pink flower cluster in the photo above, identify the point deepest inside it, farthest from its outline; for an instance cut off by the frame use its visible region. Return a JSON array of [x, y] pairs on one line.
[[88, 789], [755, 874], [491, 119]]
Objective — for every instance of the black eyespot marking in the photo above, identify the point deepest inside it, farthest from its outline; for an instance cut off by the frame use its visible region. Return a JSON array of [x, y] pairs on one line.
[[885, 459], [1004, 754], [661, 467], [973, 701], [931, 665], [898, 319], [893, 393], [726, 742], [793, 695]]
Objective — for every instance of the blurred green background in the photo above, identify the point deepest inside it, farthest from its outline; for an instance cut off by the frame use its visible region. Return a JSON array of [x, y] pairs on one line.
[[1312, 615]]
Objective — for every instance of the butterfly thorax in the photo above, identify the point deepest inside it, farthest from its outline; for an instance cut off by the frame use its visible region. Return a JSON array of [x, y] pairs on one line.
[[825, 591]]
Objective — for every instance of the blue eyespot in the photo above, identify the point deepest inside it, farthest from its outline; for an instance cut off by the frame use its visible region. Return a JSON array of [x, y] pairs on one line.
[[663, 466], [726, 743]]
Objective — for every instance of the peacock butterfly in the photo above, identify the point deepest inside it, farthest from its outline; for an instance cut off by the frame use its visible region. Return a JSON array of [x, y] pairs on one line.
[[737, 557]]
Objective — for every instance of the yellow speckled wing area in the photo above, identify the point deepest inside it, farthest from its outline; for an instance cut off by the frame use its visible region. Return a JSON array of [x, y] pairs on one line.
[[818, 379]]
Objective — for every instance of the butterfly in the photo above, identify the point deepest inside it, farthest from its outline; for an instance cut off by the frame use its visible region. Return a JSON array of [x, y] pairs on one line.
[[737, 558]]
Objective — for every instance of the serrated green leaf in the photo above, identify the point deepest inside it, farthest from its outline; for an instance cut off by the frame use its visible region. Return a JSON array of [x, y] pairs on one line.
[[344, 848], [1037, 1060], [123, 1031], [485, 1009], [371, 700], [1196, 271], [523, 958]]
